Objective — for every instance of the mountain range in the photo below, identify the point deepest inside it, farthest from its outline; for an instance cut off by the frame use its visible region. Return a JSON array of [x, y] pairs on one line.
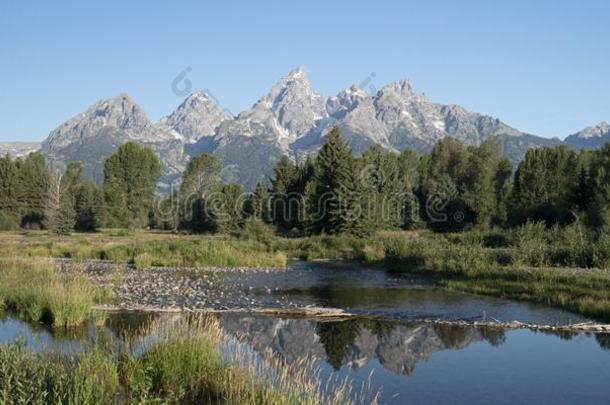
[[291, 119]]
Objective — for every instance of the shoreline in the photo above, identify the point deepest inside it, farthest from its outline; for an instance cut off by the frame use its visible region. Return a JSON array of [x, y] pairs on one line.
[[322, 314], [200, 290]]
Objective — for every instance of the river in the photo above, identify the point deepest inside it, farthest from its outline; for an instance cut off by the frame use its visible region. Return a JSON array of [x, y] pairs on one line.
[[404, 357]]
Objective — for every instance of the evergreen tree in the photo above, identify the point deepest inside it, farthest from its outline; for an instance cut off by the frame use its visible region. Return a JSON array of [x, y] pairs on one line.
[[583, 192], [283, 213], [598, 214], [232, 206], [9, 188], [88, 206], [411, 218], [223, 210], [383, 189], [503, 189], [130, 176], [408, 174], [333, 205], [33, 183], [259, 203]]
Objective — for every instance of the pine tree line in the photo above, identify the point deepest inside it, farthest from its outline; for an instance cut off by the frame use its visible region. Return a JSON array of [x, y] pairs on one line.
[[34, 196], [453, 188]]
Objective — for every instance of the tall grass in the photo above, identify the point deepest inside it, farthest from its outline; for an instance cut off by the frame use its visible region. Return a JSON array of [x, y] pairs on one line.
[[566, 267], [531, 262], [201, 253], [148, 249], [30, 378], [36, 292], [180, 364]]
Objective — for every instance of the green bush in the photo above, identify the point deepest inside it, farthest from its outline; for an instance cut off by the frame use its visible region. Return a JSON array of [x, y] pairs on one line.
[[143, 261], [7, 222], [257, 230]]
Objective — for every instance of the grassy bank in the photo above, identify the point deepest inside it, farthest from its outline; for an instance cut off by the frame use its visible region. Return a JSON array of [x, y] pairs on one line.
[[33, 290], [564, 267], [182, 364], [144, 249]]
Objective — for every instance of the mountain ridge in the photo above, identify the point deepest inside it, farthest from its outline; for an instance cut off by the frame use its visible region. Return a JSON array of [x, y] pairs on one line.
[[590, 137], [291, 119]]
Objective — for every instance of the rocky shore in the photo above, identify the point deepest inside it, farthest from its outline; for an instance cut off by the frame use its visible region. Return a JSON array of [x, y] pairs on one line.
[[241, 290], [188, 289]]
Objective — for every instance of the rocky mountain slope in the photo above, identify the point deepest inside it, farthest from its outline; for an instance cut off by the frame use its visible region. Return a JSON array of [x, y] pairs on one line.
[[290, 119], [90, 137], [198, 116], [591, 137], [293, 119], [18, 149]]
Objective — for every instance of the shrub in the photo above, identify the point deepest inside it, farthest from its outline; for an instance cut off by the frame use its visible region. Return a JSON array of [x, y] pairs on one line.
[[255, 229], [601, 252], [532, 244], [143, 261], [7, 222]]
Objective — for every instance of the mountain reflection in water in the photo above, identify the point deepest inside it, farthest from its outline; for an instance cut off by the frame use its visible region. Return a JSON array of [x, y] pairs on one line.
[[403, 362], [398, 347]]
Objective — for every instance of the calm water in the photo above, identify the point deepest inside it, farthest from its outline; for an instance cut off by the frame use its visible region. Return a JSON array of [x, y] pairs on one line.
[[431, 364], [405, 362], [404, 359], [377, 292]]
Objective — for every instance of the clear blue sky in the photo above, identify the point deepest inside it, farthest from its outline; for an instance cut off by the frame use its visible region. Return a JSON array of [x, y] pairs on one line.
[[541, 66]]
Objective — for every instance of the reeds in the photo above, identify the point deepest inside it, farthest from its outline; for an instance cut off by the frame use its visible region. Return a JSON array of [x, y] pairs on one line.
[[32, 289], [146, 249], [173, 360]]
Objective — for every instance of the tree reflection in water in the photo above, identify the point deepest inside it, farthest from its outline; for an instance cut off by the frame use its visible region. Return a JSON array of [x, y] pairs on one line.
[[336, 337]]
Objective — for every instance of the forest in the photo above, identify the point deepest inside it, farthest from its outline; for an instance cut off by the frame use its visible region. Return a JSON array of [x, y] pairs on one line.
[[453, 189]]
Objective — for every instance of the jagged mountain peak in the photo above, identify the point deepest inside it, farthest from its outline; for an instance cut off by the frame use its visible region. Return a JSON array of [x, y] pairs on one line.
[[354, 91], [402, 87], [291, 119], [346, 100], [197, 97], [119, 105], [294, 87], [595, 131], [590, 137], [119, 112], [288, 111], [197, 116], [300, 72]]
